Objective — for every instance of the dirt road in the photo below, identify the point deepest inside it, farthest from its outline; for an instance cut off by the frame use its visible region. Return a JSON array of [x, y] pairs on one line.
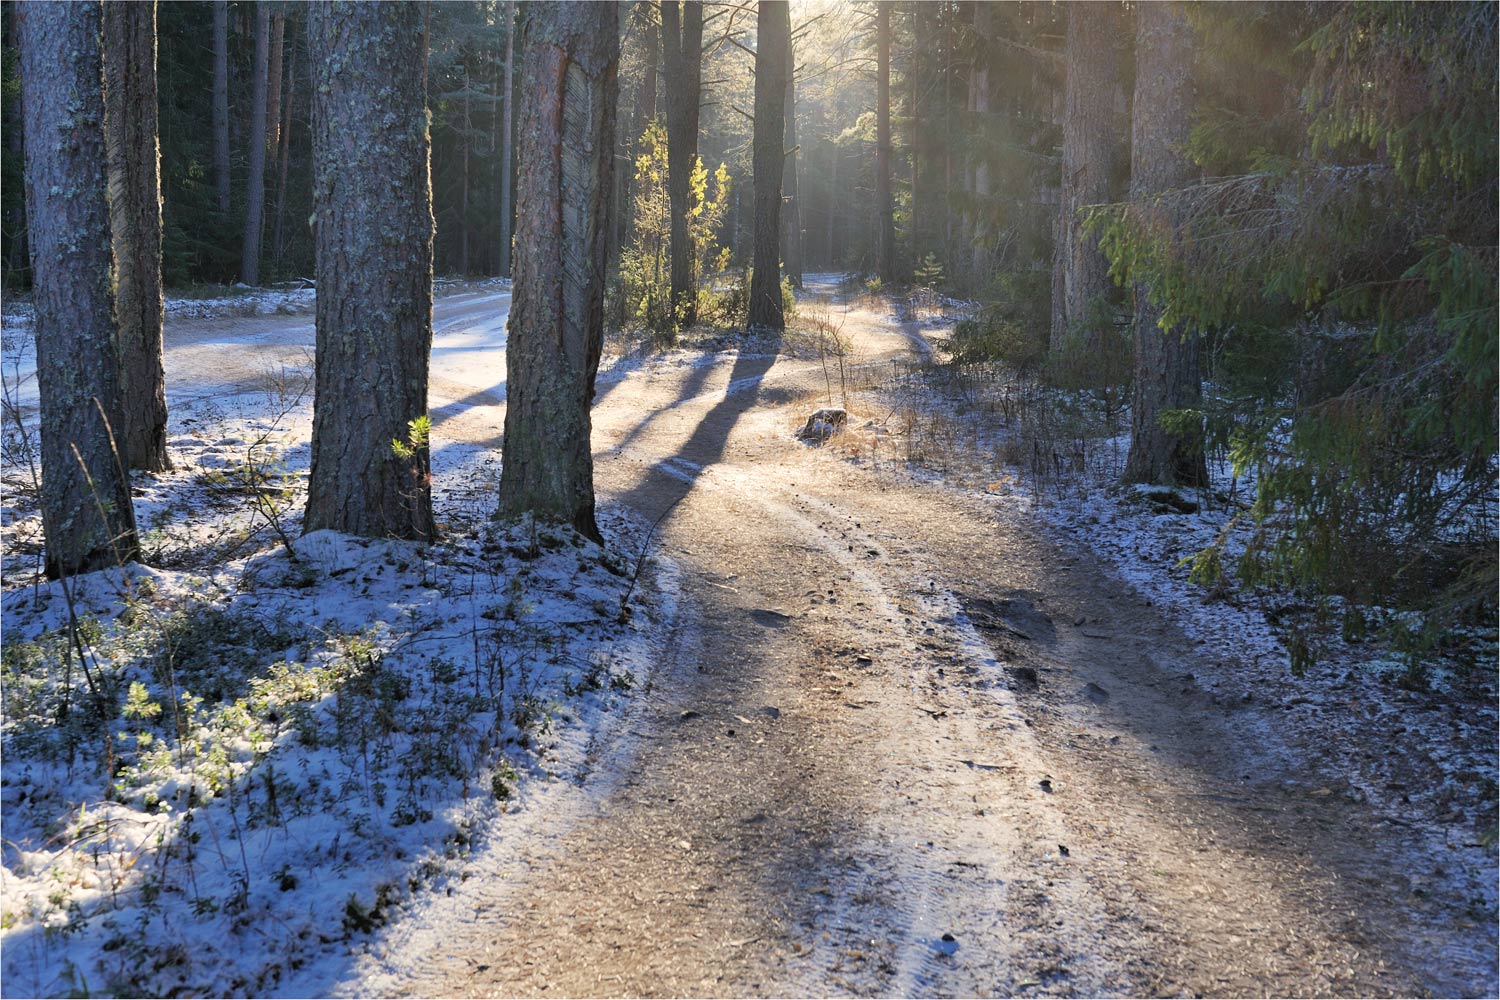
[[906, 746]]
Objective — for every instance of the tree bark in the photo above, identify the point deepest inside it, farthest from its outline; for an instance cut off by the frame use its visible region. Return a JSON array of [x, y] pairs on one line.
[[17, 256], [682, 65], [791, 205], [278, 237], [87, 519], [1166, 361], [919, 216], [221, 104], [557, 313], [619, 162], [966, 166], [135, 225], [885, 223], [255, 182], [833, 204], [645, 111], [950, 69], [273, 86], [979, 87], [773, 38], [372, 203], [1082, 281], [463, 205], [507, 132]]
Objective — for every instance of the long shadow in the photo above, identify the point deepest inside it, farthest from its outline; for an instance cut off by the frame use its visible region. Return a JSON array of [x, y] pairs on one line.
[[673, 477], [629, 363], [440, 415], [692, 387], [705, 445]]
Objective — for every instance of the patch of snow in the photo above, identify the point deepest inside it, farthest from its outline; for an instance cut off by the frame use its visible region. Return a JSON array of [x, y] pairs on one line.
[[298, 747]]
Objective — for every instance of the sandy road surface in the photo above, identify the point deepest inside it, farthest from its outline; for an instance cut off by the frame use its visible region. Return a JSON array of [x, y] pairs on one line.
[[904, 745]]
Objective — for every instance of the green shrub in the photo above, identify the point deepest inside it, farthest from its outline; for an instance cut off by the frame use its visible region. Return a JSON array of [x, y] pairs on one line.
[[645, 264]]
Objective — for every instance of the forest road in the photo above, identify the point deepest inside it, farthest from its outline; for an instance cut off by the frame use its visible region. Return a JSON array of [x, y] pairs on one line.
[[905, 745], [219, 358]]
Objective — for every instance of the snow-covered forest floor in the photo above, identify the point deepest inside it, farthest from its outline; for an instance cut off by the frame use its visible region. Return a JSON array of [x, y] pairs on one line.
[[907, 712], [219, 768]]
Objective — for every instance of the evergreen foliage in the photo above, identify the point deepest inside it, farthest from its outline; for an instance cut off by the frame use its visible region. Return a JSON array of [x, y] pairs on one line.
[[1344, 274]]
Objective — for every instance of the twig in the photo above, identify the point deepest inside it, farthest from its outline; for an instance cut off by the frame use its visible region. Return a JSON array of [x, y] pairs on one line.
[[640, 561]]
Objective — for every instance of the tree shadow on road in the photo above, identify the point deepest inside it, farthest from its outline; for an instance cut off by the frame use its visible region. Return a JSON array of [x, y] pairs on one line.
[[672, 478]]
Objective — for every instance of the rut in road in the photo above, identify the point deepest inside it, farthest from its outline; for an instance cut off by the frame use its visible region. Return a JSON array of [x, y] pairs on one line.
[[874, 765]]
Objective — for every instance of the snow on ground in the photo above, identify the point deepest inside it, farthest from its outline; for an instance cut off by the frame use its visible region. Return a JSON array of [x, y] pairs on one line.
[[236, 764]]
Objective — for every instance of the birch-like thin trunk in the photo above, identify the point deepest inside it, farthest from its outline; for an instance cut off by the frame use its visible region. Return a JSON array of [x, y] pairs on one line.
[[87, 519], [557, 313], [135, 225], [773, 38], [372, 203]]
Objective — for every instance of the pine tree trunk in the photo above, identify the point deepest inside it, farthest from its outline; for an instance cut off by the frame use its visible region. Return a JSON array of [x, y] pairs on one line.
[[833, 204], [87, 519], [619, 160], [950, 69], [255, 181], [1083, 282], [1166, 361], [463, 204], [278, 238], [791, 204], [221, 104], [16, 253], [773, 38], [557, 316], [919, 220], [984, 28], [885, 223], [273, 86], [372, 203], [682, 65], [645, 111], [507, 133], [966, 218], [135, 224]]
